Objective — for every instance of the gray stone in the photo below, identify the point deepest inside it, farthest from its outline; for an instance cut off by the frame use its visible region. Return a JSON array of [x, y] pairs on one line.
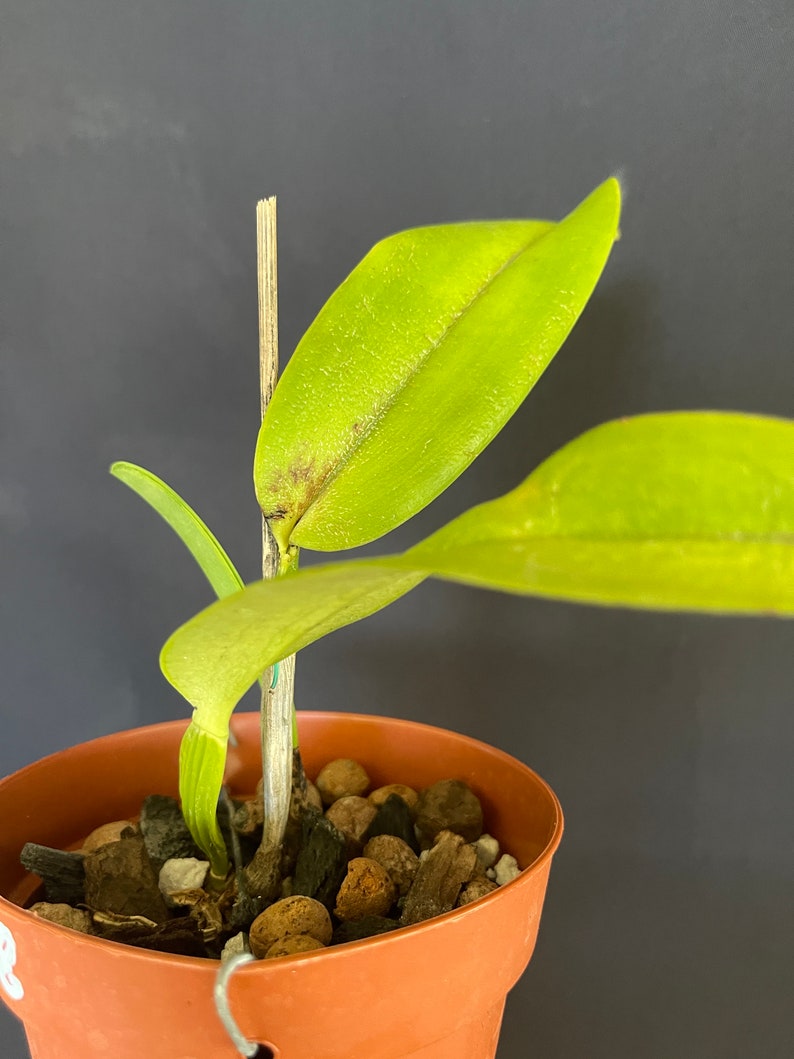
[[164, 830]]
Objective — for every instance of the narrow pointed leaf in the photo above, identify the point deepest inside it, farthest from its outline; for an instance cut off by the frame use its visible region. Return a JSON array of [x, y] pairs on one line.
[[197, 537], [202, 754], [680, 510], [416, 363]]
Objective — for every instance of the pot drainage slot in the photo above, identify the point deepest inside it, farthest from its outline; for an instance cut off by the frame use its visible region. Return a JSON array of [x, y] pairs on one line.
[[250, 1049]]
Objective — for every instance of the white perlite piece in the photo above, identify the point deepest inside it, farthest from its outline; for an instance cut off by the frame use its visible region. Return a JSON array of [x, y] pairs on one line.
[[487, 849], [235, 946], [182, 873], [506, 869]]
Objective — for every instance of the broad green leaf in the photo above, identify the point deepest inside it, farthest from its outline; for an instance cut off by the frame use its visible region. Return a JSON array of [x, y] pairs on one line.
[[686, 510], [215, 657], [416, 363], [681, 510], [183, 520]]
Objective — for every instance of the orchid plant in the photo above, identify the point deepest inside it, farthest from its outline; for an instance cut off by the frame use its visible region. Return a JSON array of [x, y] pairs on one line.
[[410, 369]]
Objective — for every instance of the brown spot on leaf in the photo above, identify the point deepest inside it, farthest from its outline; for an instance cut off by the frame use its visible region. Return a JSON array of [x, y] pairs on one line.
[[276, 514]]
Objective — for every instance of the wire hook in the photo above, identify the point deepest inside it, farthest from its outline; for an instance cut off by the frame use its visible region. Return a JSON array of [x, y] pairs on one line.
[[221, 995]]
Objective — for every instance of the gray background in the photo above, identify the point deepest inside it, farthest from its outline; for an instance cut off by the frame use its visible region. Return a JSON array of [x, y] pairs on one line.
[[136, 138]]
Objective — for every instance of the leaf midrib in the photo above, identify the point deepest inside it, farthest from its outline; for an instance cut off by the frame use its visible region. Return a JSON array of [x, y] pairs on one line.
[[357, 440]]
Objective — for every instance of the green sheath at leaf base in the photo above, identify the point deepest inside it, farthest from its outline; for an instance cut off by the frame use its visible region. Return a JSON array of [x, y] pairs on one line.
[[202, 760]]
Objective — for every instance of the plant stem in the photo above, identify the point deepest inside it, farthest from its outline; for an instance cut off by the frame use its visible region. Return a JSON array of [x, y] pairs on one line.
[[276, 713]]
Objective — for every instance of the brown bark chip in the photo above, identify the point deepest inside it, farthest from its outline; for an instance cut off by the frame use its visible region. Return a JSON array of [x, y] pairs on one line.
[[119, 878], [449, 805], [394, 818], [445, 869], [358, 929], [322, 860]]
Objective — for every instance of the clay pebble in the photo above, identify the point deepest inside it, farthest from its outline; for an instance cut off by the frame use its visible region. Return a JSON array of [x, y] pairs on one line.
[[106, 833], [249, 816], [292, 945], [352, 815], [290, 915], [396, 857], [380, 794], [66, 916], [477, 888], [341, 779], [367, 890]]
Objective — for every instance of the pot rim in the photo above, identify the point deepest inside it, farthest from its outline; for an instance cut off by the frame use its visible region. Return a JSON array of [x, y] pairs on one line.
[[338, 951]]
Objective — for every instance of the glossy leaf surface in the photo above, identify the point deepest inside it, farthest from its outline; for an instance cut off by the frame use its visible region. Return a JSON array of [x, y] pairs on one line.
[[690, 511], [416, 363]]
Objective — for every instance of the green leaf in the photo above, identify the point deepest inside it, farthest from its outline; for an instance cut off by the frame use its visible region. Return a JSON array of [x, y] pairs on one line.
[[681, 510], [677, 510], [416, 363], [217, 655], [202, 760], [183, 520]]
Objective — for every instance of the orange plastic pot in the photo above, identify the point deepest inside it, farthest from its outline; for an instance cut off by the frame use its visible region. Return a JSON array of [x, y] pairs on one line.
[[433, 991]]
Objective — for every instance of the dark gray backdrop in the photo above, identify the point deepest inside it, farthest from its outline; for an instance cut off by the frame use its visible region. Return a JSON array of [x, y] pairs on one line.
[[136, 139]]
